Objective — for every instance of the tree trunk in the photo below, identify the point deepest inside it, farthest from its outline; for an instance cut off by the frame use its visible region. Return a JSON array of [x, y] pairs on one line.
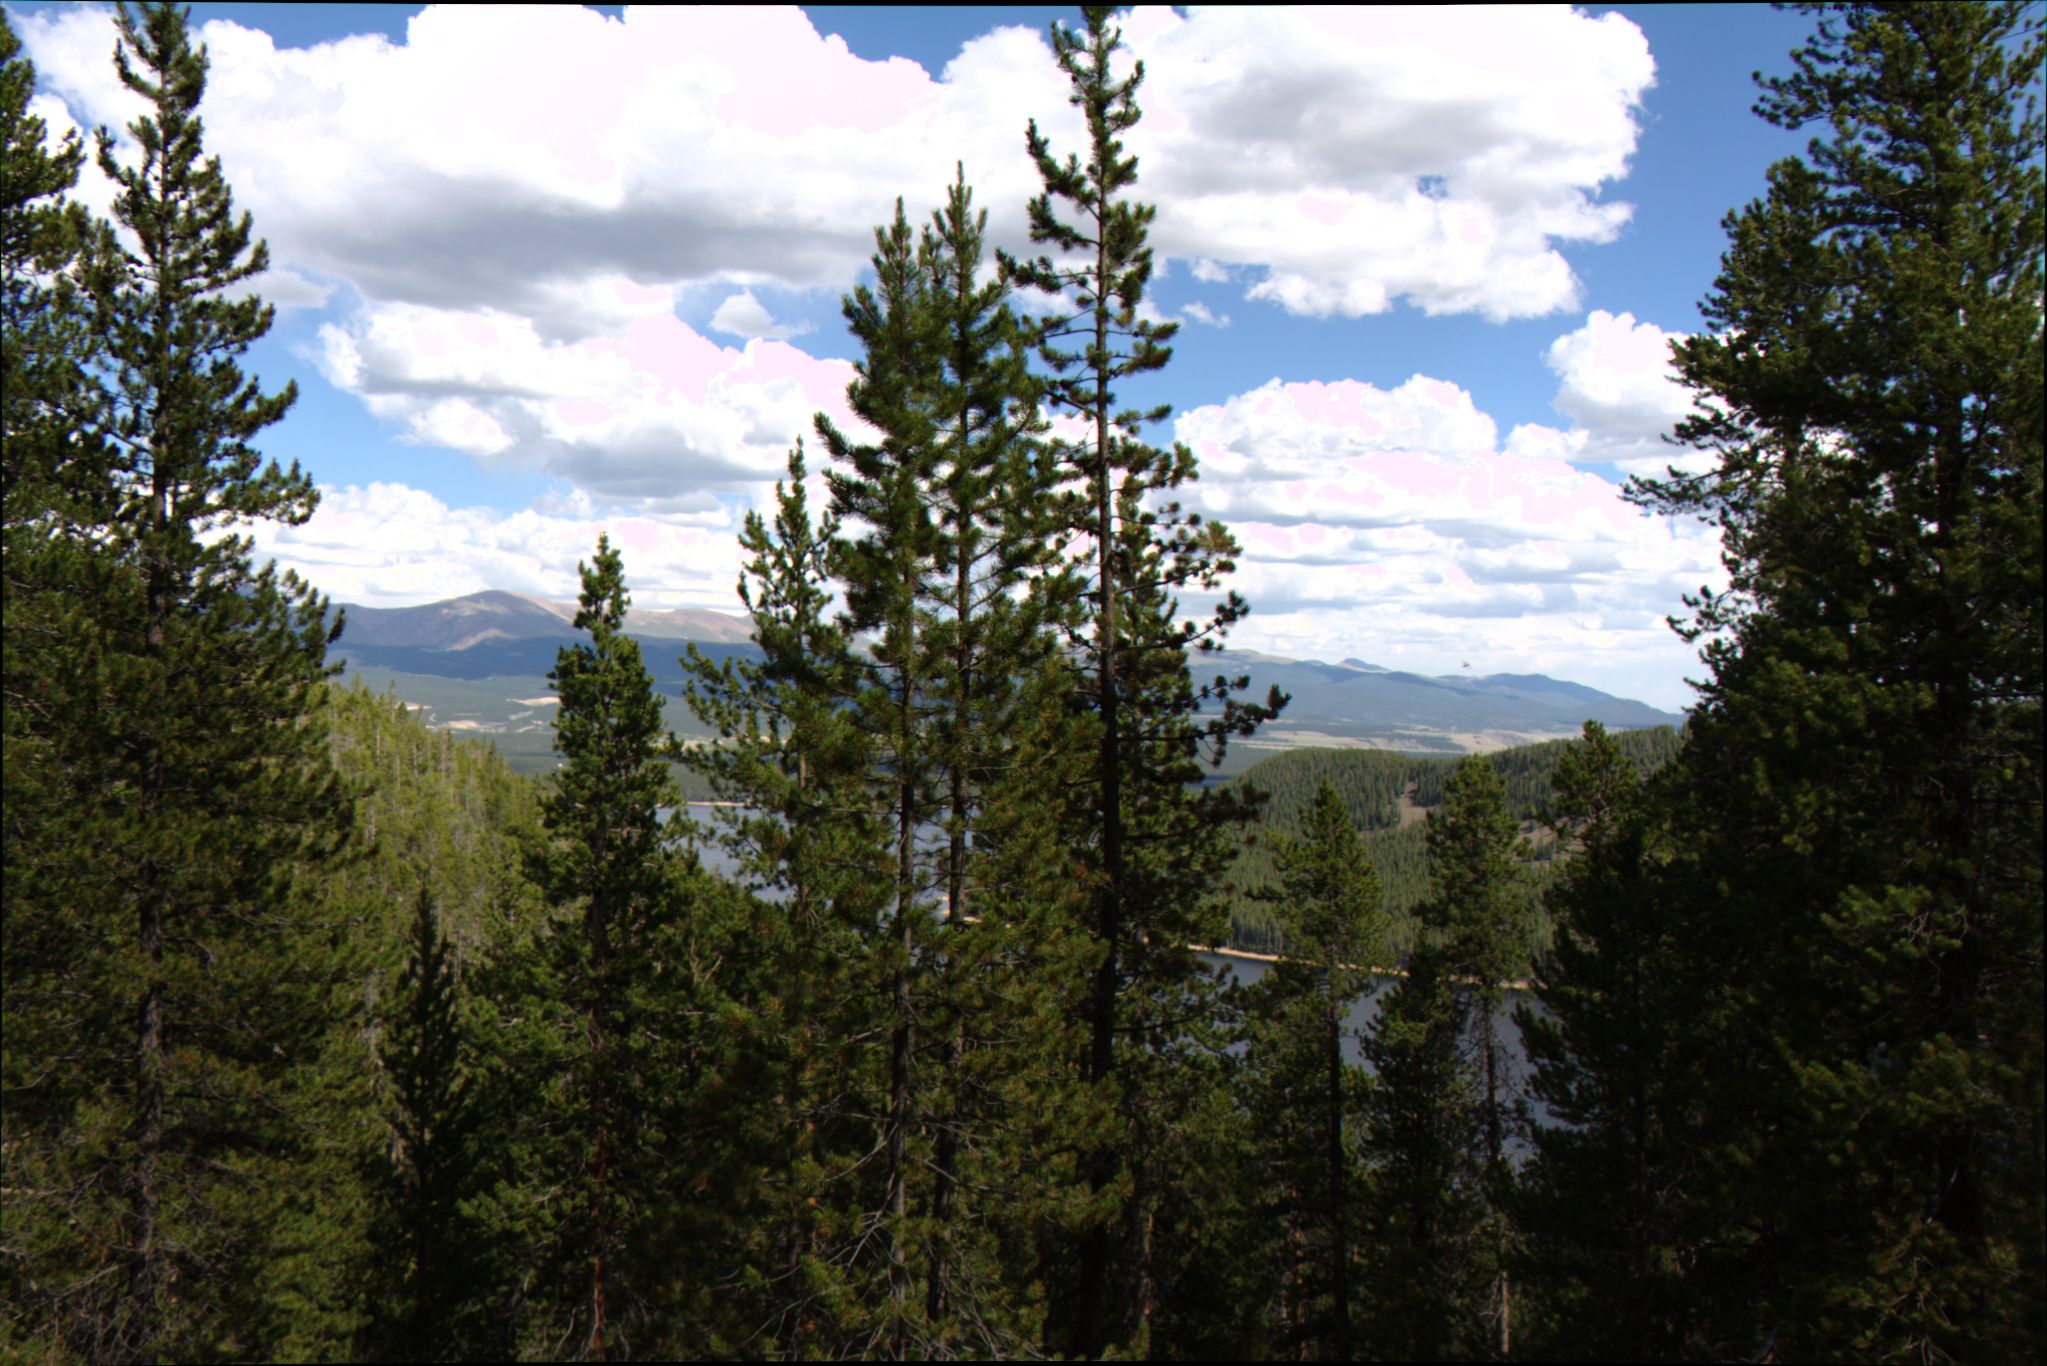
[[903, 1040], [1091, 1336], [1339, 1252], [599, 1214], [146, 1279]]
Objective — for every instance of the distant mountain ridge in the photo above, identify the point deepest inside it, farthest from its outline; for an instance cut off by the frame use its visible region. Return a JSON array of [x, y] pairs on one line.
[[464, 622], [1394, 709], [506, 642]]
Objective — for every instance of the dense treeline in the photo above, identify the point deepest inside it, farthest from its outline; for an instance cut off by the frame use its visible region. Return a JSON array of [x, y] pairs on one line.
[[1372, 782], [329, 1036], [1527, 772], [434, 810], [1376, 788]]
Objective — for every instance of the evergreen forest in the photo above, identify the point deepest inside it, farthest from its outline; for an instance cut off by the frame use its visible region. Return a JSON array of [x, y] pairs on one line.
[[327, 1036]]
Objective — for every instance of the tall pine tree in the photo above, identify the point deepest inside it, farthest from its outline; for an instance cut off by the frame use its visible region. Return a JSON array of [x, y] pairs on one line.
[[794, 768], [1001, 1046], [1860, 828], [1444, 1109], [623, 965], [888, 572], [193, 744], [1480, 893], [1147, 847], [954, 578], [1621, 1054]]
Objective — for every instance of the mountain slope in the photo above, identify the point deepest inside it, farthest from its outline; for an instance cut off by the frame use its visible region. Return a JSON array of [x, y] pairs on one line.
[[481, 662], [1348, 702], [465, 622]]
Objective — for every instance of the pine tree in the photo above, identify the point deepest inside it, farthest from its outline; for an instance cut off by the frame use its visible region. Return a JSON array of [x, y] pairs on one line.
[[610, 859], [795, 770], [995, 588], [430, 1273], [1148, 849], [1439, 1031], [1425, 1259], [953, 578], [194, 747], [1480, 894], [41, 376], [1859, 834], [1623, 1054], [1308, 1095], [888, 574]]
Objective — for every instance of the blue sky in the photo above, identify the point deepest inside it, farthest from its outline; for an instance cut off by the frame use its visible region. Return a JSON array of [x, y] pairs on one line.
[[542, 272]]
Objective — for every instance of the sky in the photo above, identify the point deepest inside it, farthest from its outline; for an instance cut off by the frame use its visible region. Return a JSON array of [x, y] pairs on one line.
[[542, 272]]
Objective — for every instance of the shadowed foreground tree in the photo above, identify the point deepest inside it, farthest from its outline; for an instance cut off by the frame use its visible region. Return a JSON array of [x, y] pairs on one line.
[[1306, 1098], [1424, 1243], [1442, 1112], [1621, 1053], [1480, 894], [1856, 831], [430, 1261]]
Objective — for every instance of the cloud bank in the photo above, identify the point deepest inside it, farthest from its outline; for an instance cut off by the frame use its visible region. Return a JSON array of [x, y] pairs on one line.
[[646, 412], [1388, 523], [1395, 524], [387, 545], [503, 213], [1331, 161]]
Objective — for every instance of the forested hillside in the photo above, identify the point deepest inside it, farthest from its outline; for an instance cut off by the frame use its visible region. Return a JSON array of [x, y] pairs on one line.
[[433, 810], [1387, 797], [329, 1036]]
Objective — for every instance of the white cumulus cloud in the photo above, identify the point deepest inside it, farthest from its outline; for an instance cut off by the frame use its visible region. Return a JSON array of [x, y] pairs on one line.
[[1359, 156], [653, 415], [388, 545], [1334, 161], [1391, 524], [1617, 386], [742, 315]]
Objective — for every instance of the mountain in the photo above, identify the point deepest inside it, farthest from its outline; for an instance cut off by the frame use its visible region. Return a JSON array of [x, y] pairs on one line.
[[1393, 709], [465, 622], [480, 663]]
